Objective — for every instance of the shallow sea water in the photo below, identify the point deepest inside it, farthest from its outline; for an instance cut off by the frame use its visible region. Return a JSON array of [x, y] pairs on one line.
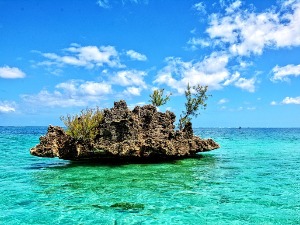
[[254, 178]]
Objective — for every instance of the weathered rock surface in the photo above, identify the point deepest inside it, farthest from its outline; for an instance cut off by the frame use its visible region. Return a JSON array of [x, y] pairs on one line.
[[141, 133]]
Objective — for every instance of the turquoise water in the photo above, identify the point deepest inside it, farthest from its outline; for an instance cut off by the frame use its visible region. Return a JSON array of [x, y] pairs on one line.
[[254, 178]]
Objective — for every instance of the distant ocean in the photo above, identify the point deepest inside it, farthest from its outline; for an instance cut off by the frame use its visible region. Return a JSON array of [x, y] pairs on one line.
[[254, 178]]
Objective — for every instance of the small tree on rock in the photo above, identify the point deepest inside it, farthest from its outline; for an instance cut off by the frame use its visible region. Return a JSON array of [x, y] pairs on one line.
[[195, 97], [157, 97]]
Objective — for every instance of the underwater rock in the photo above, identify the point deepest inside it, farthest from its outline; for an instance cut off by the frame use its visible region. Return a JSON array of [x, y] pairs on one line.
[[138, 134], [127, 206]]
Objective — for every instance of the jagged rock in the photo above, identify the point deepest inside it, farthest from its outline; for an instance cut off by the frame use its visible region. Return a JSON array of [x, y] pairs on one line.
[[141, 133]]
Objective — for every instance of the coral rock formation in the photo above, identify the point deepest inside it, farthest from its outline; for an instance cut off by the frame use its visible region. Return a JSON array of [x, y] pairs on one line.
[[141, 133]]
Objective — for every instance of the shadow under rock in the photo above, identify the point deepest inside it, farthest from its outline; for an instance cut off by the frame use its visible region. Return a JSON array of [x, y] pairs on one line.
[[111, 162]]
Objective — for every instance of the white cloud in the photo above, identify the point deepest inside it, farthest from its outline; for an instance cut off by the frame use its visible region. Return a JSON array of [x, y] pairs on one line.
[[240, 82], [290, 100], [234, 77], [70, 87], [235, 5], [136, 91], [106, 4], [273, 103], [86, 56], [136, 56], [71, 93], [200, 6], [222, 29], [55, 99], [287, 101], [222, 3], [7, 107], [103, 4], [133, 80], [251, 108], [198, 42], [245, 32], [11, 72], [282, 73], [193, 31], [85, 88], [223, 101], [130, 78], [244, 64], [95, 89], [211, 71], [246, 84]]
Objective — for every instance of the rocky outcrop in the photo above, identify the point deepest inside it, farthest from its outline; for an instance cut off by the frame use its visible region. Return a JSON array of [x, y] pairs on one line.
[[139, 134]]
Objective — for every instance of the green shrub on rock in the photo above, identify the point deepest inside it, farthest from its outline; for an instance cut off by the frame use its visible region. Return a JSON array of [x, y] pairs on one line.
[[83, 126]]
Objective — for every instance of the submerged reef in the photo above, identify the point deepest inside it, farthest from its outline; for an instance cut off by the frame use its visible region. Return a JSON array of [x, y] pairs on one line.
[[139, 134]]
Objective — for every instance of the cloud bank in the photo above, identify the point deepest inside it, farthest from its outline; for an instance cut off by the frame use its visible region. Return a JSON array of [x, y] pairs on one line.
[[245, 32]]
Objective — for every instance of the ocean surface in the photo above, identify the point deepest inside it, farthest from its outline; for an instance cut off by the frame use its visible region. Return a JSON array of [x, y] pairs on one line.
[[254, 178]]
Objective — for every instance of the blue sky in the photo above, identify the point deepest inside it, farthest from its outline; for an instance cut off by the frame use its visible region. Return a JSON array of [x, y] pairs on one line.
[[58, 57]]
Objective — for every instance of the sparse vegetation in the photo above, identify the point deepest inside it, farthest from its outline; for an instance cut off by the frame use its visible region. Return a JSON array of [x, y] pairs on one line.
[[157, 97], [195, 97], [84, 125]]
